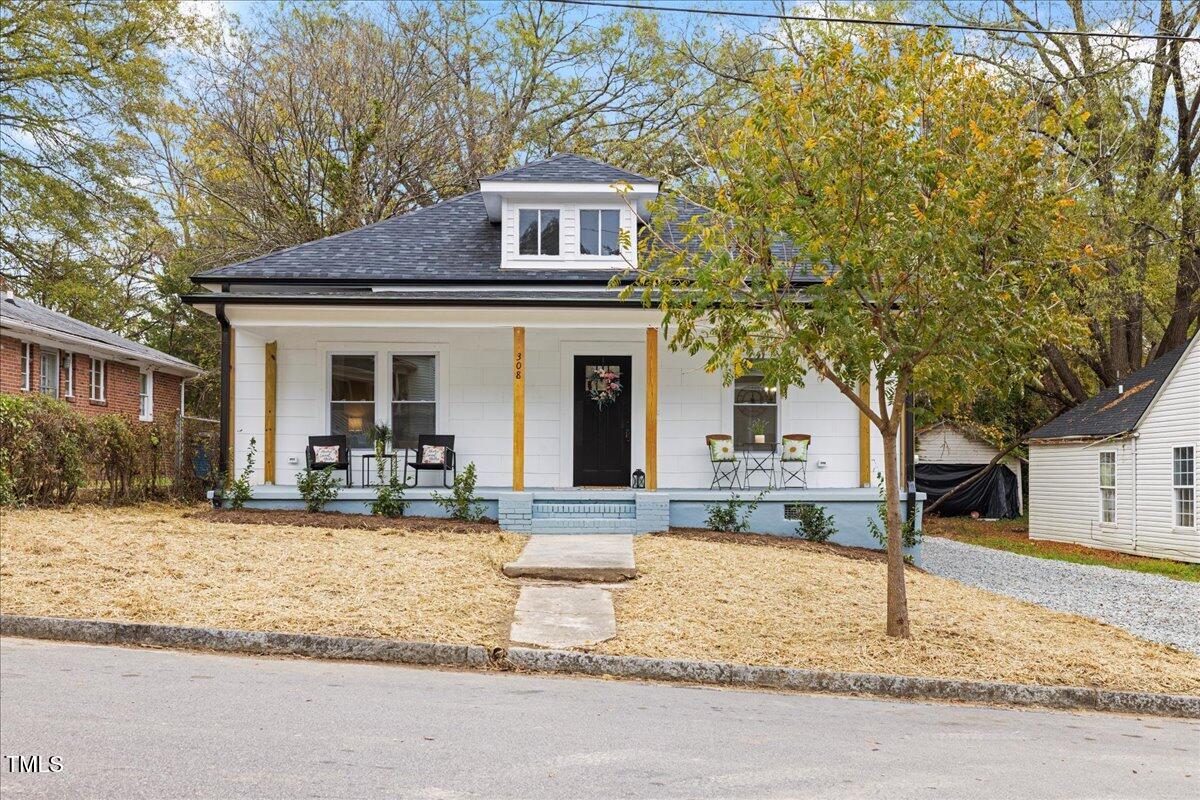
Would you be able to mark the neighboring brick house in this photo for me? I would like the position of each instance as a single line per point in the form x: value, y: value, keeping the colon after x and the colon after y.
x: 91, y: 369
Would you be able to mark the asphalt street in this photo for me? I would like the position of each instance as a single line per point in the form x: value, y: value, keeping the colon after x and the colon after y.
x: 128, y: 723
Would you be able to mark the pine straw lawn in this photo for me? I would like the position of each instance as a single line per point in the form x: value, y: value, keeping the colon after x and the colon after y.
x: 768, y: 603
x: 154, y: 563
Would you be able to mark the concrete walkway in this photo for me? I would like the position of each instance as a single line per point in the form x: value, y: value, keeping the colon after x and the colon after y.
x: 566, y: 614
x: 598, y: 557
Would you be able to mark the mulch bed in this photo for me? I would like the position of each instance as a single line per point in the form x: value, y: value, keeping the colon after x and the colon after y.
x: 335, y: 519
x: 767, y: 540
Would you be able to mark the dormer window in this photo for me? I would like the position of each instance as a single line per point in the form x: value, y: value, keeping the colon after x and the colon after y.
x: 599, y: 232
x: 539, y: 232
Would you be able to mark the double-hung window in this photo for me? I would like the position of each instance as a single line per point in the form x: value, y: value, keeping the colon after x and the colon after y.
x: 146, y: 396
x: 96, y: 380
x: 414, y: 400
x: 755, y: 413
x: 599, y: 232
x: 538, y: 231
x: 1183, y: 484
x: 1108, y: 487
x: 352, y: 398
x: 48, y: 381
x: 26, y: 365
x: 69, y: 378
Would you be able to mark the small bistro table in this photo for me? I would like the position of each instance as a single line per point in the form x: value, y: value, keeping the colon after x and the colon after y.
x: 759, y: 461
x: 367, y: 458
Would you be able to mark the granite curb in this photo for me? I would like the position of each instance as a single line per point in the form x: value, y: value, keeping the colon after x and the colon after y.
x: 576, y: 663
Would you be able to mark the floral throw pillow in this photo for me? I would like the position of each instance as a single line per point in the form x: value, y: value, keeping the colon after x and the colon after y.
x: 721, y: 450
x: 433, y: 454
x: 325, y: 453
x: 795, y: 449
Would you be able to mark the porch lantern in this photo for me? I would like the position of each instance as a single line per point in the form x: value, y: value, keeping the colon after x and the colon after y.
x: 639, y: 480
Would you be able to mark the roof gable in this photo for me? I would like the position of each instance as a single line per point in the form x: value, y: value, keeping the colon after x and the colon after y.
x: 1118, y: 409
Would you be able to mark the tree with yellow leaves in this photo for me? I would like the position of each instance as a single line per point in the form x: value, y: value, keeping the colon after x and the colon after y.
x: 883, y: 215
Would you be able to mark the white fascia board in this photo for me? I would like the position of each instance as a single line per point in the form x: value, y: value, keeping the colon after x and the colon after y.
x: 79, y: 344
x: 315, y: 316
x: 493, y: 192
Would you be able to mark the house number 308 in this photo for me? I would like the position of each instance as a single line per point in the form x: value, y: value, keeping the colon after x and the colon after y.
x: 518, y: 366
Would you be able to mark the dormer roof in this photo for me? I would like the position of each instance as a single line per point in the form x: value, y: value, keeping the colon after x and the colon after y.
x: 569, y: 168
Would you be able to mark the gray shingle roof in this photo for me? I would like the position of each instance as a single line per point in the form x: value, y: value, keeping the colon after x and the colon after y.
x: 1111, y: 412
x: 569, y: 167
x: 17, y: 312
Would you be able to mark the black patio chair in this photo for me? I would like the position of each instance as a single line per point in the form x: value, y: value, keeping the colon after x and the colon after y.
x: 426, y: 460
x: 343, y: 455
x: 724, y: 460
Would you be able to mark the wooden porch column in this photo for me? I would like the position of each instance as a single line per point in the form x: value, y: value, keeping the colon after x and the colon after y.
x: 864, y: 438
x: 651, y: 408
x: 518, y: 454
x: 269, y: 414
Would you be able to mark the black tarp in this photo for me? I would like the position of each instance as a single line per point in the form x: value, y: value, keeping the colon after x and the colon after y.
x: 993, y: 495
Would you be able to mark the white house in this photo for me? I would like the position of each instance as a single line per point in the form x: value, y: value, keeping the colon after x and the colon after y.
x: 1119, y: 471
x: 487, y: 317
x: 956, y: 447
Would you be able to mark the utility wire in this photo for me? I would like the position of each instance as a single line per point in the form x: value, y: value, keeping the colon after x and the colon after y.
x: 716, y: 12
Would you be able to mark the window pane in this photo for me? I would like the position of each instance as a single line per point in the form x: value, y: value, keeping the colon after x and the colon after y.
x: 1108, y: 469
x: 750, y: 389
x: 1185, y: 507
x: 49, y: 377
x: 412, y: 378
x: 528, y: 228
x: 410, y: 420
x: 610, y: 233
x: 549, y: 232
x: 589, y: 232
x: 352, y: 378
x: 354, y: 420
x: 744, y: 418
x: 1184, y: 466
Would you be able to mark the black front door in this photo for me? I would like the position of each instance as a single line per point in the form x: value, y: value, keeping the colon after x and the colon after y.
x: 602, y: 420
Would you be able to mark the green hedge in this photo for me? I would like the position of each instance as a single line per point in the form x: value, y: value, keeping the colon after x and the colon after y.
x: 50, y: 455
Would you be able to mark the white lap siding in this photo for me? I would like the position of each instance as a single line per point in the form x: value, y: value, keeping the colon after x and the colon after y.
x: 475, y: 401
x: 1172, y: 421
x: 1064, y: 494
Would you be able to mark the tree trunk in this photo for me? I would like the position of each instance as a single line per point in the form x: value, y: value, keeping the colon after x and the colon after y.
x: 897, y: 598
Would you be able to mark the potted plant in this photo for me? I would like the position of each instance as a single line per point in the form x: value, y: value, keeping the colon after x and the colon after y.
x: 758, y: 428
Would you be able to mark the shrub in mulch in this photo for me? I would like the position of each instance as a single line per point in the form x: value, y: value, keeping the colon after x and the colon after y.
x: 782, y: 542
x: 335, y: 519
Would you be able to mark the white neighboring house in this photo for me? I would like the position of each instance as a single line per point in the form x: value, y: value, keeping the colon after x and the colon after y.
x: 954, y: 442
x: 488, y: 317
x: 1119, y: 471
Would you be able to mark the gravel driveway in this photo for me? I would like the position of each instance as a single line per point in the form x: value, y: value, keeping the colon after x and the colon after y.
x: 1150, y: 606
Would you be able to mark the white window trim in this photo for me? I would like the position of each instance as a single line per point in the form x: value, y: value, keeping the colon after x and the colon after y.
x: 26, y: 365
x: 93, y: 394
x: 1176, y: 486
x: 70, y: 362
x: 1100, y: 487
x: 733, y: 405
x: 540, y: 256
x: 383, y: 352
x: 619, y: 256
x: 146, y: 413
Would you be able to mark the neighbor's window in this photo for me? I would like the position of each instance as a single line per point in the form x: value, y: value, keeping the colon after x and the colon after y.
x: 96, y: 380
x: 146, y: 396
x: 1183, y: 479
x: 599, y: 232
x: 413, y: 398
x: 26, y: 365
x: 70, y: 377
x: 1108, y: 487
x: 755, y: 410
x: 352, y: 398
x: 48, y: 382
x: 538, y: 229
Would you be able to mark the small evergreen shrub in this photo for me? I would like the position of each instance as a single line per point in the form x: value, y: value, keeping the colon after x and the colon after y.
x: 318, y: 487
x: 813, y: 523
x: 733, y: 516
x: 462, y: 504
x: 239, y: 489
x: 389, y: 489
